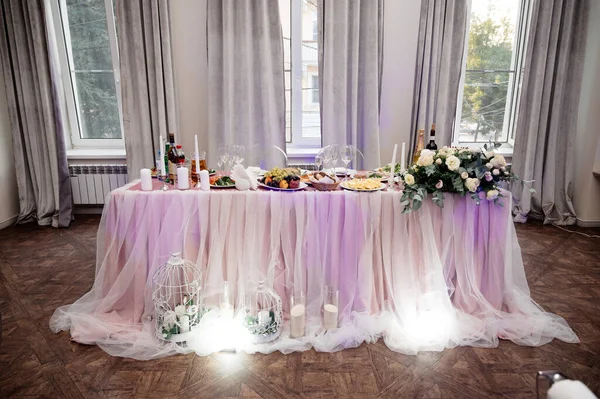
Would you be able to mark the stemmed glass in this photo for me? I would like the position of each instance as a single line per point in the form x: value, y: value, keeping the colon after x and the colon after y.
x: 347, y: 155
x: 318, y: 161
x: 335, y: 155
x: 326, y: 154
x: 223, y: 157
x: 238, y: 153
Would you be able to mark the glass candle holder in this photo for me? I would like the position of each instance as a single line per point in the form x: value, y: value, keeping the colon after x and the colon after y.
x: 297, y: 314
x: 330, y: 307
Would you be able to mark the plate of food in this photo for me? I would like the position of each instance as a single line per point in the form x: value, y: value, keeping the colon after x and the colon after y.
x: 387, y: 168
x: 222, y: 182
x: 282, y: 180
x: 366, y: 185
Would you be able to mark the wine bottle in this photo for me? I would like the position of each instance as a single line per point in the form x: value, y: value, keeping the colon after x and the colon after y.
x: 432, y: 145
x: 166, y: 164
x: 173, y: 158
x: 420, y: 145
x: 181, y: 156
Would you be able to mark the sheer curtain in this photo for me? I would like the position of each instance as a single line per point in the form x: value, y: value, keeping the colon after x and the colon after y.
x: 442, y: 31
x: 147, y: 89
x: 547, y: 119
x: 350, y: 65
x: 245, y: 79
x: 37, y: 133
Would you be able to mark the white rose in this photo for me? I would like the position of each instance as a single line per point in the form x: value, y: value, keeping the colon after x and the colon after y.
x: 427, y: 153
x: 498, y: 161
x: 472, y: 184
x: 180, y: 310
x: 492, y: 194
x: 464, y: 175
x: 489, y: 154
x: 496, y: 172
x: 409, y: 179
x: 438, y: 161
x: 489, y: 165
x: 439, y: 184
x: 425, y: 160
x: 452, y: 162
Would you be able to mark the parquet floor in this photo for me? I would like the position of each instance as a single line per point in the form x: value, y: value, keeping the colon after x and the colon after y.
x: 42, y: 268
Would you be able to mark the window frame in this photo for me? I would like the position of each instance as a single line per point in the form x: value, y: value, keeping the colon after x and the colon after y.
x: 299, y: 142
x: 73, y: 139
x: 515, y: 80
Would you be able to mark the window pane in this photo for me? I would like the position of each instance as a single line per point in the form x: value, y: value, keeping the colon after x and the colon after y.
x: 484, y: 107
x: 97, y: 105
x: 311, y: 120
x: 88, y: 31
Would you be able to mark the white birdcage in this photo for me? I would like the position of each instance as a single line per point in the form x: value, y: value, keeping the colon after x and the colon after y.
x: 177, y: 299
x: 263, y: 316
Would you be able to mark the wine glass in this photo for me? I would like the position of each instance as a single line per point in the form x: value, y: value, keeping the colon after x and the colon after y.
x: 223, y: 157
x: 318, y: 161
x: 326, y: 154
x: 238, y: 153
x: 347, y: 155
x: 335, y: 155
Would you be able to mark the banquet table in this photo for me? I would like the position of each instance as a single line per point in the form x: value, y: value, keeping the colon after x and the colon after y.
x: 427, y: 280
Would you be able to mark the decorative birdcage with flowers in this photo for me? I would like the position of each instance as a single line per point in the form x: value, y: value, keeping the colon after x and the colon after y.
x: 263, y: 315
x: 177, y: 287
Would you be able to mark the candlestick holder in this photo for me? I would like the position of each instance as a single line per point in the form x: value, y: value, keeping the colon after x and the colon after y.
x: 165, y: 186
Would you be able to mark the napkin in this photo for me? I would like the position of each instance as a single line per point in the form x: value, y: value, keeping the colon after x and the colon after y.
x: 245, y: 180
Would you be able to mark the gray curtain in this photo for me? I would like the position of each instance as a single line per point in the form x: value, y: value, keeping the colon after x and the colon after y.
x: 38, y: 143
x: 147, y: 88
x: 547, y: 118
x: 245, y: 79
x: 350, y: 66
x: 440, y: 49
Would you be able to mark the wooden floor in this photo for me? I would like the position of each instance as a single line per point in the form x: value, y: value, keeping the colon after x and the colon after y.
x: 42, y: 268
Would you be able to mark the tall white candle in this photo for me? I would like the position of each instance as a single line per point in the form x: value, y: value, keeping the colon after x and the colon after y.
x: 183, y: 178
x: 393, y: 165
x: 185, y: 323
x: 163, y: 167
x: 297, y: 321
x: 204, y: 180
x: 197, y: 154
x: 330, y: 316
x: 146, y: 177
x: 403, y: 158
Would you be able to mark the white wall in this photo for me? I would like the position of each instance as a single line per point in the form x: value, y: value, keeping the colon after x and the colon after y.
x: 188, y: 37
x: 587, y: 187
x: 9, y: 199
x: 401, y: 29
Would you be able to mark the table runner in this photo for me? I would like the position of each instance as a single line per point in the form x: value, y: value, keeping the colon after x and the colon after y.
x: 428, y: 280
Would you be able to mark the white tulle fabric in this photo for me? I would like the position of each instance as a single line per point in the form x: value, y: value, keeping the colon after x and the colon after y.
x: 429, y: 280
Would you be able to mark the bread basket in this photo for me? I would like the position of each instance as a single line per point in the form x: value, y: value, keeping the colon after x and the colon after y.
x: 322, y: 186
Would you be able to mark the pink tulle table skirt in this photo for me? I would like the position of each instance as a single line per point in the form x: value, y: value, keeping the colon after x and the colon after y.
x: 428, y: 280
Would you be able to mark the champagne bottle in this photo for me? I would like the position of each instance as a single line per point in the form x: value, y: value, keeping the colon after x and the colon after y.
x: 420, y: 145
x: 173, y: 158
x: 167, y: 149
x: 432, y: 145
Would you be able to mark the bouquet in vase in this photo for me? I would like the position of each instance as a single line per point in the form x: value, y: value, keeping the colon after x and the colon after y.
x: 455, y: 170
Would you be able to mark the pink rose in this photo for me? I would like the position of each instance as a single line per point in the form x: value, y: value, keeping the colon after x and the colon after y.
x: 439, y: 184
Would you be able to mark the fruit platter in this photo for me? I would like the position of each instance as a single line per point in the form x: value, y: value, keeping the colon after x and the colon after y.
x: 287, y: 179
x: 221, y: 182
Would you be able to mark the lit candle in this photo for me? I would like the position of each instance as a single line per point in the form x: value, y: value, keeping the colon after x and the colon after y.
x: 264, y: 318
x: 393, y: 165
x: 183, y: 178
x: 204, y: 180
x: 185, y: 323
x: 403, y: 158
x: 146, y: 177
x: 297, y: 315
x: 330, y: 316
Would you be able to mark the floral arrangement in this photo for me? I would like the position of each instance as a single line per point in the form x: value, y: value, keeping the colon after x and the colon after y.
x: 455, y: 170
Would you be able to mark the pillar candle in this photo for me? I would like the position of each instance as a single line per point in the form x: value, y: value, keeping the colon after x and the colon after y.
x: 196, y: 154
x: 204, y: 180
x: 185, y: 323
x: 264, y: 318
x: 393, y: 165
x: 403, y: 158
x: 146, y: 177
x: 183, y: 178
x: 297, y: 321
x: 330, y: 316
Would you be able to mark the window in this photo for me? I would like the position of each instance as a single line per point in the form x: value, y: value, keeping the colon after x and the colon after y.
x: 301, y: 54
x: 89, y: 63
x: 491, y: 78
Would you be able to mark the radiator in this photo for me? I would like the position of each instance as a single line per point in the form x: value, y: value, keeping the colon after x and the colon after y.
x: 91, y: 183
